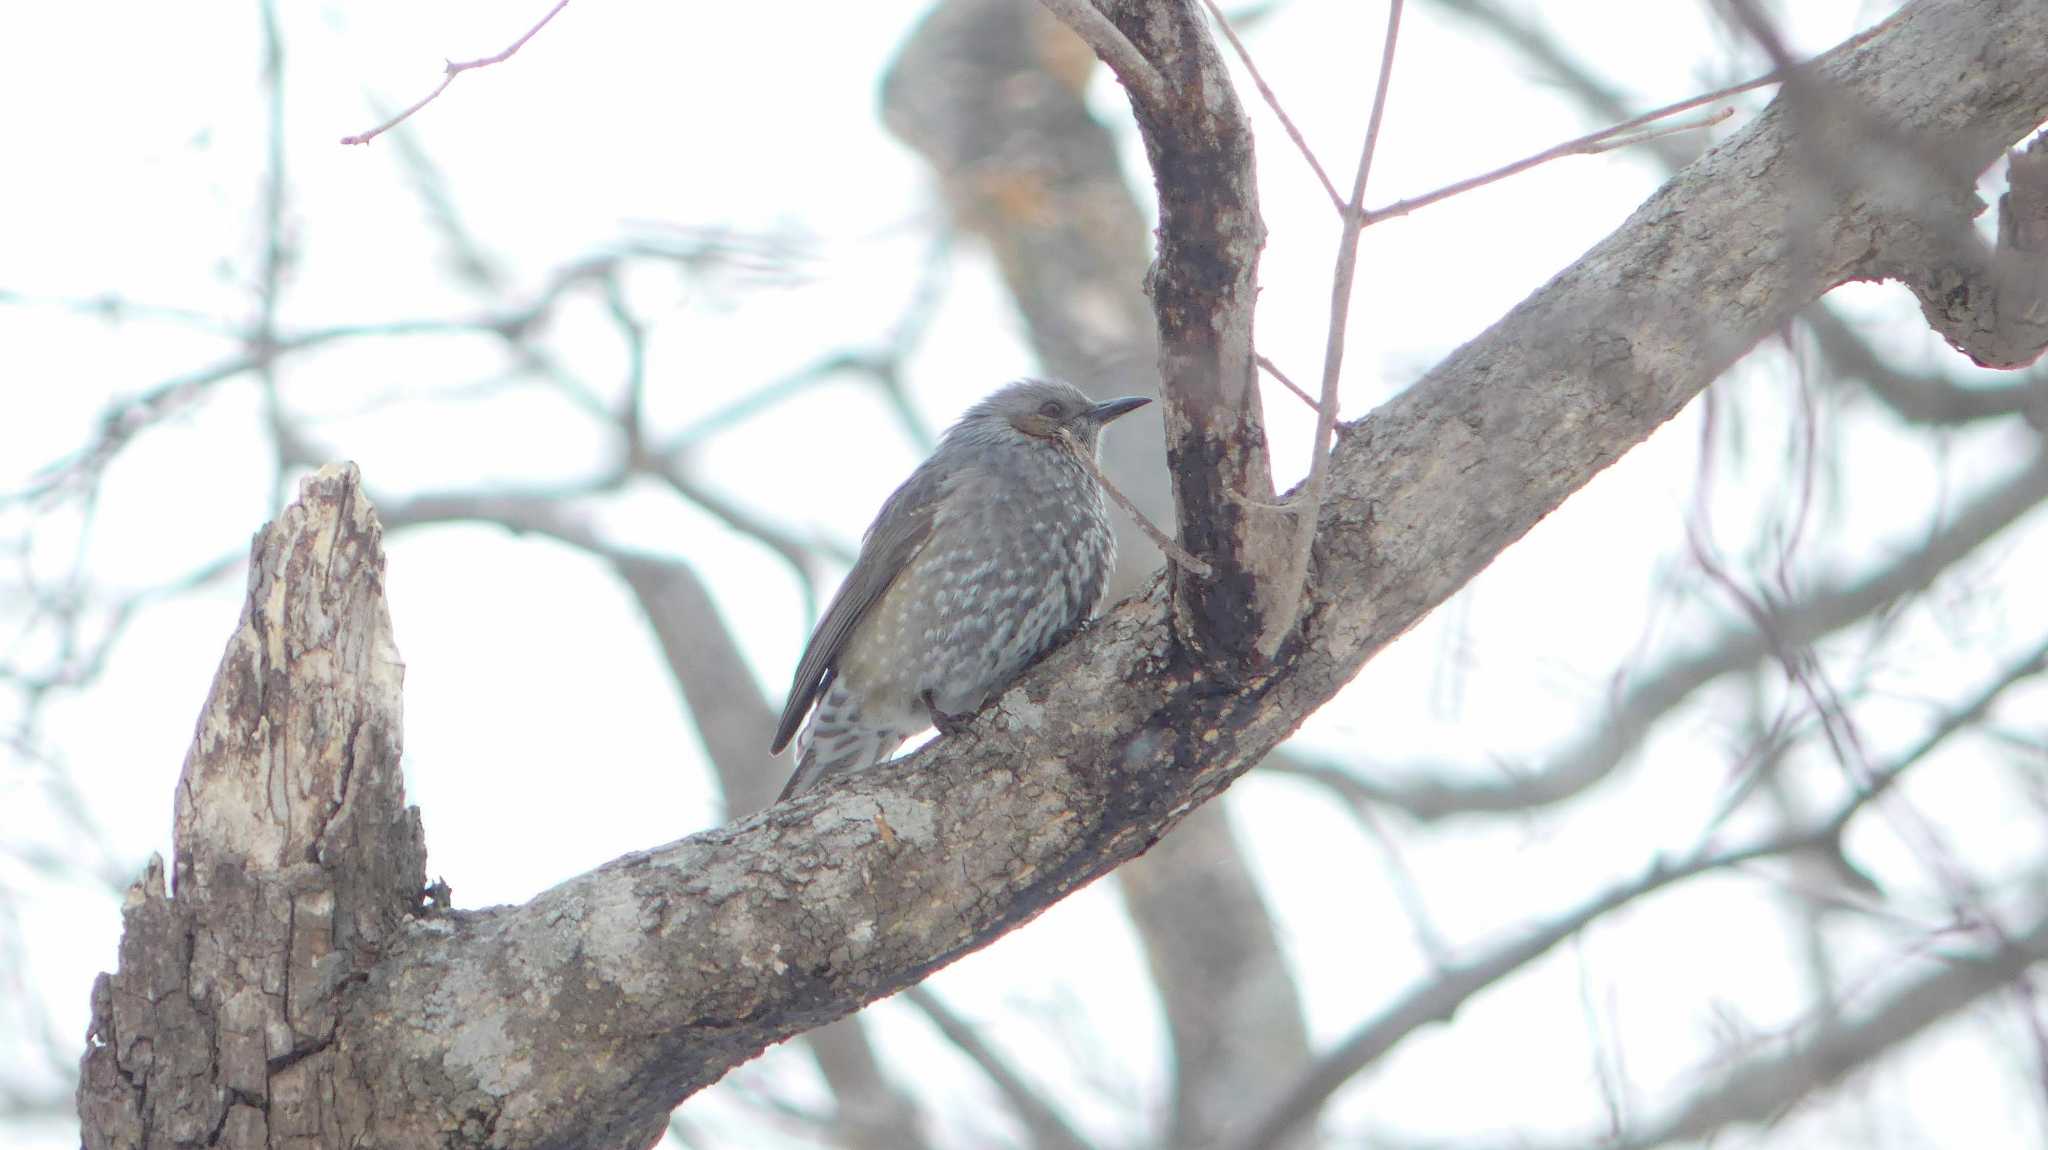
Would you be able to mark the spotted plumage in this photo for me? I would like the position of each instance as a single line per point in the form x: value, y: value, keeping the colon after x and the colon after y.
x: 994, y: 551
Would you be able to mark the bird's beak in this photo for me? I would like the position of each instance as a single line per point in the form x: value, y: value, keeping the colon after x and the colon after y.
x: 1102, y: 413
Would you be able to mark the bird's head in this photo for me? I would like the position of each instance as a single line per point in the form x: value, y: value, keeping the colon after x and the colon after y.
x: 1051, y: 410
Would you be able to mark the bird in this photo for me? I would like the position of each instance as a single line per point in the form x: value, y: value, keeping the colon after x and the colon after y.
x: 994, y: 551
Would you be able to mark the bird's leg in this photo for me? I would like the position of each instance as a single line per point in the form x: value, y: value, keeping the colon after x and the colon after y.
x: 945, y: 723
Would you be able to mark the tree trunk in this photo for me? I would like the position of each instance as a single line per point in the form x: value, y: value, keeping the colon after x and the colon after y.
x: 297, y: 863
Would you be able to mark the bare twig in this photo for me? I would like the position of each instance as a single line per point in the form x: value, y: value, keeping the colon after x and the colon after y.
x: 2033, y: 663
x: 1310, y: 501
x: 117, y: 309
x: 1423, y: 791
x: 1441, y: 996
x: 1048, y: 1130
x: 452, y: 70
x: 128, y: 416
x: 1589, y: 144
x: 1762, y: 1087
x: 1406, y: 887
x: 1603, y: 140
x: 1273, y: 102
x: 1521, y: 28
x: 1645, y: 136
x: 1273, y: 370
x: 881, y: 365
x: 801, y: 555
x: 1161, y: 539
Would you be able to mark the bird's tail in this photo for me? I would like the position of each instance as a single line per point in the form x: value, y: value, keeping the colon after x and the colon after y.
x: 836, y: 739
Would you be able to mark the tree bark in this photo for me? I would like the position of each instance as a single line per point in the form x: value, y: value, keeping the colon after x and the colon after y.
x: 297, y: 863
x: 284, y: 997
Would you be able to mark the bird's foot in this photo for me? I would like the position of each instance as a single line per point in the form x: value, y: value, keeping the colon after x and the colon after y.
x: 945, y: 724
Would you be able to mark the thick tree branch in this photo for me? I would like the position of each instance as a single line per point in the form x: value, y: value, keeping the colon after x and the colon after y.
x: 1130, y: 65
x: 583, y: 1016
x: 1992, y: 305
x: 1922, y: 397
x: 1204, y: 283
x: 693, y: 956
x: 735, y: 723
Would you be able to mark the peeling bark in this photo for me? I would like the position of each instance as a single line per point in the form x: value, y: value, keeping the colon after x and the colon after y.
x: 297, y: 862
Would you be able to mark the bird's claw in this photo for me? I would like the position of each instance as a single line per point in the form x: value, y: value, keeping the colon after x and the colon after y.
x: 944, y: 723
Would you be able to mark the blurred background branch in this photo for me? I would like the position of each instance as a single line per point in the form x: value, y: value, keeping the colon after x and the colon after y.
x: 669, y: 422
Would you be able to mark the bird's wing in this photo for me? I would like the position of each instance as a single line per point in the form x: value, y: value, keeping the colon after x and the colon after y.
x: 898, y: 534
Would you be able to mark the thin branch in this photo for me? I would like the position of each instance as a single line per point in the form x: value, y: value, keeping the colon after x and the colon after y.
x: 1521, y: 28
x: 1762, y: 1088
x: 263, y: 338
x: 1112, y: 47
x: 630, y: 416
x: 118, y: 309
x: 2033, y: 663
x: 1643, y: 137
x: 881, y: 364
x: 1594, y: 143
x: 1161, y: 539
x: 1932, y: 398
x: 802, y: 556
x: 1310, y: 501
x: 1429, y: 791
x: 1048, y: 1130
x: 1273, y: 370
x: 1439, y: 998
x: 1406, y: 888
x: 1273, y: 102
x: 452, y: 70
x: 128, y: 416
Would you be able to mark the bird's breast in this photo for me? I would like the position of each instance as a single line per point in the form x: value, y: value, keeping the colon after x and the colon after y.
x: 1012, y: 564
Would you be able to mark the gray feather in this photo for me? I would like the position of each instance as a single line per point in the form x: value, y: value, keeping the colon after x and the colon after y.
x: 898, y: 534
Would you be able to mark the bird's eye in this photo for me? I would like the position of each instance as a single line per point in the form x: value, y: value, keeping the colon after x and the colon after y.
x: 1050, y: 409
